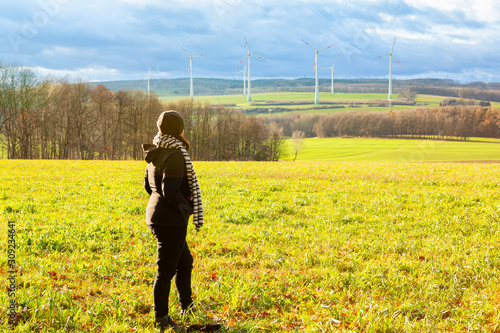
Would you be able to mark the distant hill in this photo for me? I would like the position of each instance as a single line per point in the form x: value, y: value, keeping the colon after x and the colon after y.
x: 210, y: 86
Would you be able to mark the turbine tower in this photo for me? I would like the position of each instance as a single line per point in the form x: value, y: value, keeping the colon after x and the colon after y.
x: 316, y: 87
x: 390, y: 68
x: 149, y: 76
x: 191, y: 93
x: 244, y: 71
x: 249, y: 89
x: 333, y: 70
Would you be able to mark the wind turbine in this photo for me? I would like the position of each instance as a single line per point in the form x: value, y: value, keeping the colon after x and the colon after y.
x: 149, y: 76
x: 333, y: 70
x: 316, y: 88
x: 191, y: 94
x: 244, y: 71
x: 249, y: 90
x: 390, y: 68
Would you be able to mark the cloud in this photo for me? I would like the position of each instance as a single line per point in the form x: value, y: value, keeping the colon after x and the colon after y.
x: 124, y: 38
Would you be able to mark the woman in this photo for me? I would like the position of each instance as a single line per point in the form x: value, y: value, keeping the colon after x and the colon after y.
x: 174, y: 196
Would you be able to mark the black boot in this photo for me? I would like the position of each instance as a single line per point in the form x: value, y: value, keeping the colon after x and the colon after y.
x: 166, y: 323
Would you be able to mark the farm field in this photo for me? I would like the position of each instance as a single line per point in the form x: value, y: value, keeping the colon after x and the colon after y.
x: 304, y: 101
x: 300, y: 246
x: 394, y: 150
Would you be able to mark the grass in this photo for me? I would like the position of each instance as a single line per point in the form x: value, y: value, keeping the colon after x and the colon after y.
x: 303, y: 246
x: 345, y: 99
x: 395, y: 150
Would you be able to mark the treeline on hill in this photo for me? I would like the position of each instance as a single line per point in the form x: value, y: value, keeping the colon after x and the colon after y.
x: 448, y: 122
x: 61, y: 120
x: 460, y: 92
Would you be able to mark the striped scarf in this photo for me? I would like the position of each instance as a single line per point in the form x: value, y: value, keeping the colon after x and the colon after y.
x: 168, y: 141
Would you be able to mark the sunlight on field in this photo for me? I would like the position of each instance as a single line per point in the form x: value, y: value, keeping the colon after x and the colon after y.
x: 345, y: 99
x: 307, y: 246
x: 394, y: 150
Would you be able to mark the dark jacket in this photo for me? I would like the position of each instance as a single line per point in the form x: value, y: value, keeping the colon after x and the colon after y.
x: 166, y: 182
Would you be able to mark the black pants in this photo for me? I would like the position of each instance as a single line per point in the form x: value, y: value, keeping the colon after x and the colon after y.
x: 173, y: 259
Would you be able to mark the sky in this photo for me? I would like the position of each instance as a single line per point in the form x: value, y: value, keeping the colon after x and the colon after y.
x: 106, y: 40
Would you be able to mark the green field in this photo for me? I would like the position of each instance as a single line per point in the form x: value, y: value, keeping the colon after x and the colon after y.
x: 261, y: 100
x: 394, y: 150
x: 338, y: 102
x: 287, y: 246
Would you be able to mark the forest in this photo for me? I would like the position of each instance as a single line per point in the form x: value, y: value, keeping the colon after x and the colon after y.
x: 444, y: 123
x: 43, y: 119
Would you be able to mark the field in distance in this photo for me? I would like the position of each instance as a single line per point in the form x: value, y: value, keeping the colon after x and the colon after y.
x: 394, y: 150
x: 270, y: 103
x: 286, y: 247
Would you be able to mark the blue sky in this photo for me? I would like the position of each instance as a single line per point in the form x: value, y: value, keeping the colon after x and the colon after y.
x: 99, y: 40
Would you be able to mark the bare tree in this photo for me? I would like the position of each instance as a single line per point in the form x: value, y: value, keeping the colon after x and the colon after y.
x: 275, y: 142
x: 101, y: 100
x: 23, y: 101
x: 297, y: 141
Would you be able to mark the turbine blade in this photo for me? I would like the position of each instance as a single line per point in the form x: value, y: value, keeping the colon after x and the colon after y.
x: 242, y: 61
x: 388, y: 54
x: 185, y: 51
x: 253, y: 55
x: 309, y: 45
x: 248, y: 48
x: 393, y: 44
x: 396, y: 60
x: 326, y: 48
x: 199, y: 55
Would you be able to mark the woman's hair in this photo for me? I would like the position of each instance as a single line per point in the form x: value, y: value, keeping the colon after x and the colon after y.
x: 184, y: 141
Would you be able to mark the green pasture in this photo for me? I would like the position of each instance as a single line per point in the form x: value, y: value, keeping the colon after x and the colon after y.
x: 304, y: 101
x: 394, y: 150
x: 286, y: 247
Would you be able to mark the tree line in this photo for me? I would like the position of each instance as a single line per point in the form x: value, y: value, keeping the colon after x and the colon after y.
x: 447, y: 122
x: 46, y: 119
x: 459, y: 92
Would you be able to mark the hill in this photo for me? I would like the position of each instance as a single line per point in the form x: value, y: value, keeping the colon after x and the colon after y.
x: 211, y: 86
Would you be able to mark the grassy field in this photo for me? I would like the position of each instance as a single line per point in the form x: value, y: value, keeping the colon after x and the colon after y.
x: 305, y: 101
x: 270, y: 103
x: 287, y: 246
x: 394, y: 150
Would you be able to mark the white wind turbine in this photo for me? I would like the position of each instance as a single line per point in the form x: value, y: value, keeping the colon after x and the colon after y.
x: 149, y: 76
x: 244, y: 71
x: 149, y: 79
x: 333, y: 70
x: 390, y: 68
x: 316, y: 87
x: 191, y: 93
x: 249, y: 89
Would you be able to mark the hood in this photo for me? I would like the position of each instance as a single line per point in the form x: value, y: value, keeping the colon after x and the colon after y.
x: 151, y: 152
x: 156, y: 155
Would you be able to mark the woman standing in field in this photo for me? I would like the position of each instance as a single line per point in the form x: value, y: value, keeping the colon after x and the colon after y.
x: 174, y: 196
